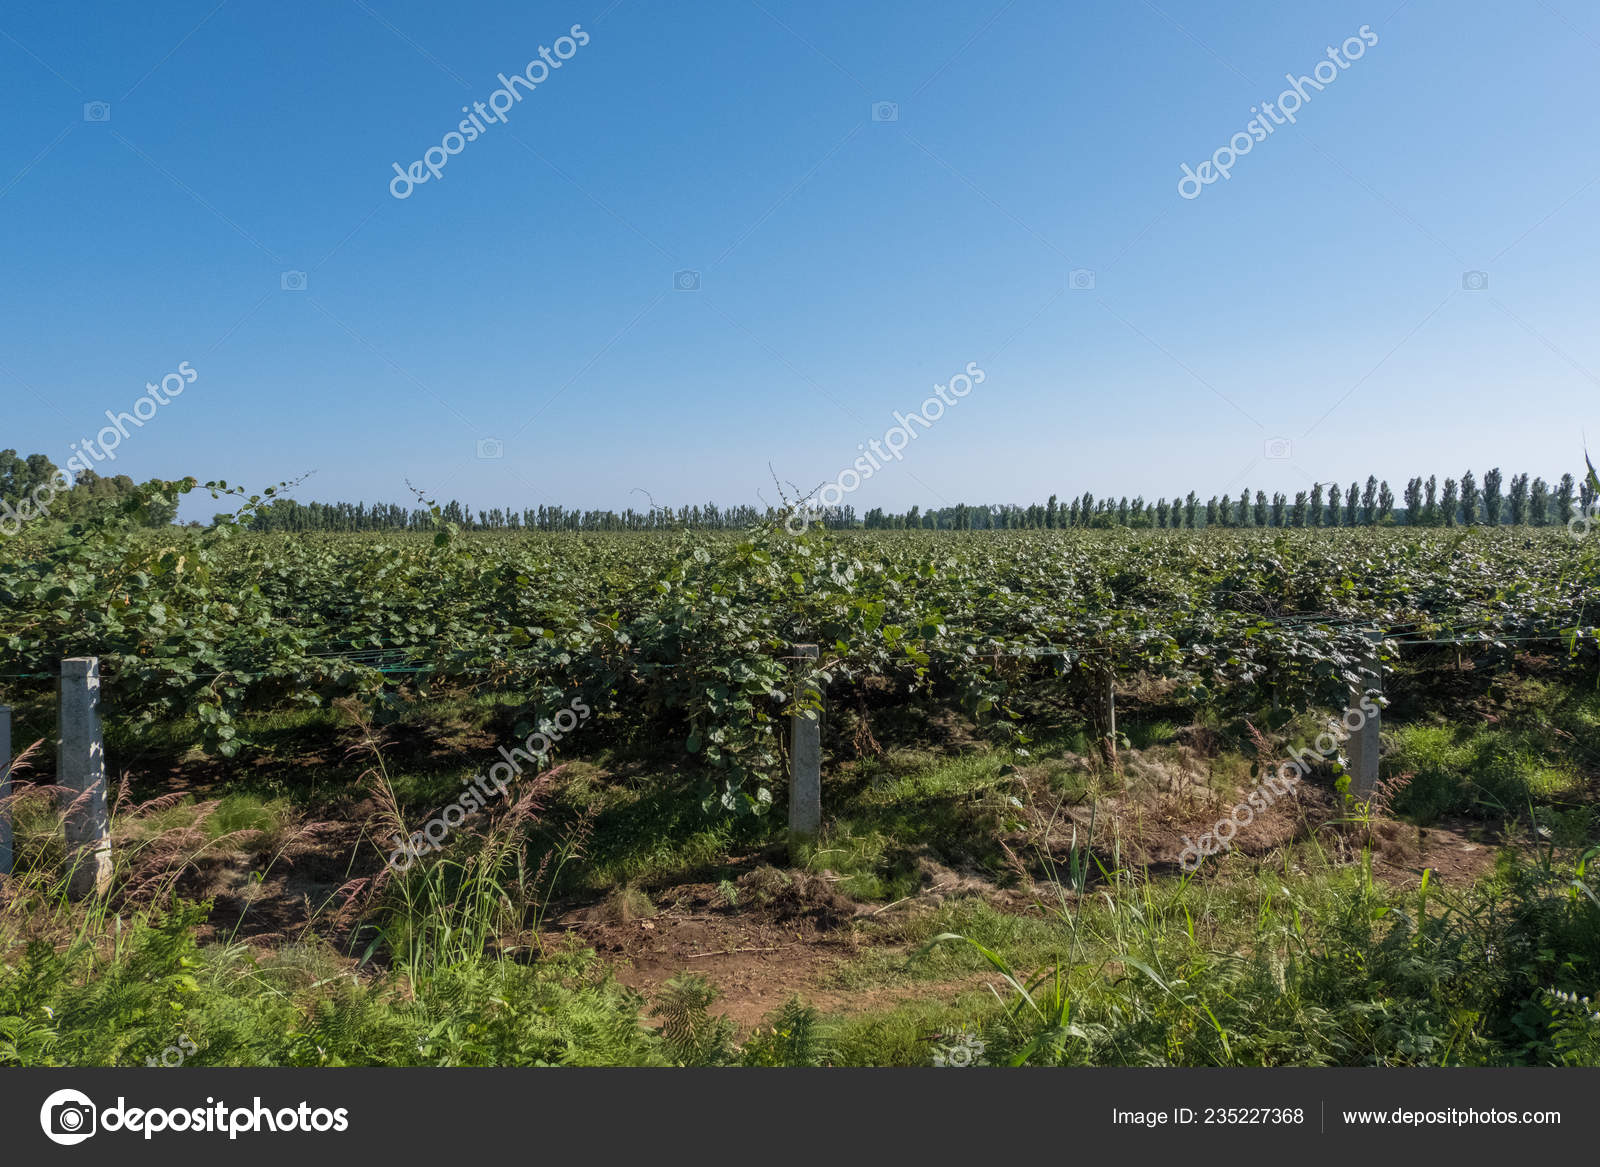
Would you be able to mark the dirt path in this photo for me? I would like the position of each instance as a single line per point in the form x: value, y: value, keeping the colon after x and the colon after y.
x: 757, y: 956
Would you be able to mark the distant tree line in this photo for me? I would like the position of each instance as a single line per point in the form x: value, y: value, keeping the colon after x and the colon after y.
x: 22, y: 477
x: 288, y: 515
x: 1523, y: 502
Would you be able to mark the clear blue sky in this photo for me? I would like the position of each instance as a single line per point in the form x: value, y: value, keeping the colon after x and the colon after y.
x: 846, y: 264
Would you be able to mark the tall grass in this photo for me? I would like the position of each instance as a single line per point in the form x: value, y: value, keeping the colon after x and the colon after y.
x: 1317, y: 966
x: 116, y: 978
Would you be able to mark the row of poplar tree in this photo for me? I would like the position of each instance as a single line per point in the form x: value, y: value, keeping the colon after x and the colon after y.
x: 290, y: 515
x: 1524, y: 502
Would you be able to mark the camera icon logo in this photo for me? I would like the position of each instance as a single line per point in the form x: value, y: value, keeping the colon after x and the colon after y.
x: 1475, y: 281
x: 1580, y: 524
x: 292, y: 281
x: 960, y: 1051
x: 686, y: 281
x: 1278, y: 449
x: 885, y: 111
x: 490, y: 449
x: 97, y: 111
x: 1080, y: 279
x: 68, y: 1117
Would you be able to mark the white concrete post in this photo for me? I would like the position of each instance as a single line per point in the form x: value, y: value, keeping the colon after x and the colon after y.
x: 81, y: 769
x: 5, y: 790
x: 805, y: 756
x: 1364, y: 741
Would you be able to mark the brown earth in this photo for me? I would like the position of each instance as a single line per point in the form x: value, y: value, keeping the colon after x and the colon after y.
x: 758, y: 955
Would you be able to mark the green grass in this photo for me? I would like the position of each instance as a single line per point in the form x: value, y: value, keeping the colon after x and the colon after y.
x: 1032, y: 939
x: 1459, y: 769
x: 1144, y: 734
x: 904, y: 1034
x: 912, y: 805
x: 644, y: 829
x: 302, y: 1007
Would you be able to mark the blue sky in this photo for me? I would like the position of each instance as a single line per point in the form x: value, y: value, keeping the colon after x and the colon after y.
x: 846, y: 265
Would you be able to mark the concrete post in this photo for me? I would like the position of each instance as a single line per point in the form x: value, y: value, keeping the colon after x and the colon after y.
x: 1363, y: 747
x: 805, y: 756
x: 5, y: 790
x: 81, y: 769
x: 1108, y: 715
